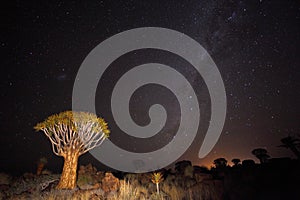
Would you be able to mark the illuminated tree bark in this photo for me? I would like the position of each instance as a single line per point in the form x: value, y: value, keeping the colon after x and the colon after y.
x: 71, y: 135
x: 69, y: 174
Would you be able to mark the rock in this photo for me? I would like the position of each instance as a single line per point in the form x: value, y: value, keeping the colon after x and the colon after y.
x: 110, y: 183
x: 89, y: 178
x: 46, y: 172
x: 88, y: 194
x: 85, y: 181
x: 88, y: 169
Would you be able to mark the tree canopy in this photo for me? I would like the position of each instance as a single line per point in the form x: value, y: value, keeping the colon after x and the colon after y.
x: 80, y: 130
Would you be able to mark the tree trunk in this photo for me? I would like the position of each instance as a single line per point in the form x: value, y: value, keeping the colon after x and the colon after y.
x: 157, y: 188
x: 40, y: 168
x: 69, y: 173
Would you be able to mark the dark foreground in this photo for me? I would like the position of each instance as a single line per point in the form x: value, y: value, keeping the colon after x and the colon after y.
x: 277, y: 179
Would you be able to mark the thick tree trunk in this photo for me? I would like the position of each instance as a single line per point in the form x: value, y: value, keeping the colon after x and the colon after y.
x: 69, y: 173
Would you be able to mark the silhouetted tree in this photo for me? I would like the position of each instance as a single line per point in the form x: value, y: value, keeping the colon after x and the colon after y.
x: 261, y: 154
x: 248, y: 163
x: 201, y: 169
x: 292, y: 144
x: 181, y: 165
x: 40, y: 165
x: 236, y: 161
x: 220, y: 162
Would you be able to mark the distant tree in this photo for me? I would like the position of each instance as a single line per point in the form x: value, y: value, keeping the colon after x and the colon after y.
x: 73, y: 134
x: 40, y: 165
x: 292, y: 144
x: 261, y: 154
x: 200, y: 169
x: 220, y: 162
x: 236, y: 161
x: 181, y: 165
x: 189, y: 171
x: 248, y: 163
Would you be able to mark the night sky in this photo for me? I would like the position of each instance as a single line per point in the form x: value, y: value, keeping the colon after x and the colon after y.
x: 255, y: 45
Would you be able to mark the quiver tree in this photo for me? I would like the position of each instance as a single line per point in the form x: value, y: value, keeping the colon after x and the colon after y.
x: 236, y: 161
x: 292, y: 144
x: 156, y: 178
x: 220, y: 163
x: 71, y: 135
x: 261, y: 154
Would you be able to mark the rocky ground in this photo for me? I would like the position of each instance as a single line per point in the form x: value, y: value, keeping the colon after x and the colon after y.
x: 274, y: 180
x: 93, y: 184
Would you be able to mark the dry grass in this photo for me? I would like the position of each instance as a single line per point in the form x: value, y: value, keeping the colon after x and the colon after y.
x: 129, y: 192
x: 174, y: 193
x: 134, y: 186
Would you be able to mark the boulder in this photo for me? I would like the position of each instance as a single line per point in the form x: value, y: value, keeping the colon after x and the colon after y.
x: 110, y: 183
